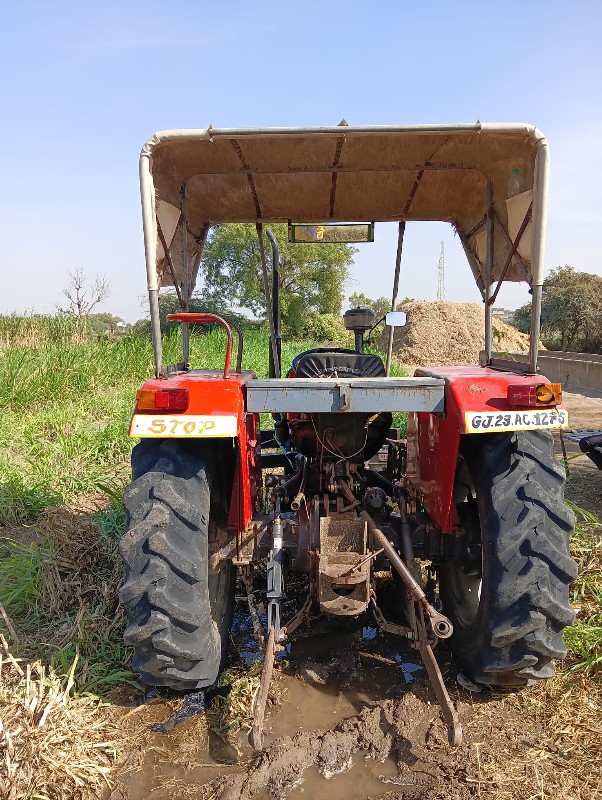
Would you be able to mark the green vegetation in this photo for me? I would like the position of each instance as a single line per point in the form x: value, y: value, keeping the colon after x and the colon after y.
x: 571, y: 311
x: 584, y: 638
x: 312, y: 276
x: 65, y: 405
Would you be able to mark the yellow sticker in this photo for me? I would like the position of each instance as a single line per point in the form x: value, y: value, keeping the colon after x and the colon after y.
x: 188, y: 426
x: 487, y: 422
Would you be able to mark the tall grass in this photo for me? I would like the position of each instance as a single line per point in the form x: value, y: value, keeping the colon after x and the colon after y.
x: 65, y: 404
x: 38, y: 329
x: 584, y: 637
x: 65, y: 408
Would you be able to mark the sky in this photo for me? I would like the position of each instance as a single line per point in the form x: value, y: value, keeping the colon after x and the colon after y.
x: 84, y: 84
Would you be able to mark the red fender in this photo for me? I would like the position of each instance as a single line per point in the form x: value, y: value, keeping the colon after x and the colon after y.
x: 215, y: 396
x: 434, y: 439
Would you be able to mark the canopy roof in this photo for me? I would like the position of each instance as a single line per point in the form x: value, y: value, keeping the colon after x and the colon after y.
x: 426, y: 172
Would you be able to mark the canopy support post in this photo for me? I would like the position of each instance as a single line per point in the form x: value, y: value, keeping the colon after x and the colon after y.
x: 268, y: 300
x: 402, y: 228
x: 153, y: 300
x: 489, y: 274
x: 275, y: 373
x: 535, y: 327
x: 540, y: 208
x: 184, y: 257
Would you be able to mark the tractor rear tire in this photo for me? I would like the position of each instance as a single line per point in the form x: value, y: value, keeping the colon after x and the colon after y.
x: 178, y: 614
x: 509, y: 598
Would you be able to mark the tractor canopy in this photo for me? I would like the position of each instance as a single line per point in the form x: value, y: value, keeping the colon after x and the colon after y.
x: 428, y: 172
x: 457, y: 173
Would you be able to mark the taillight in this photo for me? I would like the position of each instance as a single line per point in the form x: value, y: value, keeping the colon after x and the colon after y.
x: 541, y: 394
x: 162, y: 399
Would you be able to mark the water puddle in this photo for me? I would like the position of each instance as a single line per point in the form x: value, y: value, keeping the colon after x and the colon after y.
x: 324, y: 678
x: 363, y: 780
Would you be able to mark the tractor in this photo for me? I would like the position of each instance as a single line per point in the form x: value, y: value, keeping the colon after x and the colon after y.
x: 466, y: 513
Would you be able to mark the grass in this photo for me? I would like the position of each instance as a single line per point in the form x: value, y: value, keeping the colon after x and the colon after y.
x: 584, y: 638
x: 65, y: 405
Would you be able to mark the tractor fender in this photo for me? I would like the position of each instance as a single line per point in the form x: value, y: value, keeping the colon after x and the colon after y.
x: 215, y: 413
x: 434, y: 439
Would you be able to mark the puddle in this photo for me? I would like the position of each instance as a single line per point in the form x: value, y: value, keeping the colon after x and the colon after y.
x: 407, y: 668
x: 326, y: 678
x: 362, y: 780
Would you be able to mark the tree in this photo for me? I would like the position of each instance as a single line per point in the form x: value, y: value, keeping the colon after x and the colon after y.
x: 312, y: 276
x: 571, y: 309
x: 84, y: 296
x: 380, y: 306
x: 169, y: 304
x: 107, y: 325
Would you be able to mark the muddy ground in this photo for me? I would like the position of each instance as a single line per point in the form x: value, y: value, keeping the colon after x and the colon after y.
x: 353, y: 716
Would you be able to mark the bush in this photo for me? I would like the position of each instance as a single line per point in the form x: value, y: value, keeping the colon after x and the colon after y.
x: 327, y: 328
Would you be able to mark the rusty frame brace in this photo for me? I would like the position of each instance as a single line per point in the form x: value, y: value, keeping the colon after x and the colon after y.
x: 419, y: 610
x: 262, y: 695
x: 513, y: 251
x: 271, y: 648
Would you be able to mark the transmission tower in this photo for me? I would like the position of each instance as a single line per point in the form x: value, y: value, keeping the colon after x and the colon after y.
x: 441, y: 274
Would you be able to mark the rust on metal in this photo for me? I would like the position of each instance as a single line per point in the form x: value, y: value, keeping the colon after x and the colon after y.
x: 450, y: 715
x: 441, y: 624
x: 238, y: 150
x: 262, y: 695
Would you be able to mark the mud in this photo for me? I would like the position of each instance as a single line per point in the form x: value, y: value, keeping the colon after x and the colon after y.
x: 357, y: 720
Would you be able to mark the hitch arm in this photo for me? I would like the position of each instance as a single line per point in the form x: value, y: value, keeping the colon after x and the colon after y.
x: 441, y: 625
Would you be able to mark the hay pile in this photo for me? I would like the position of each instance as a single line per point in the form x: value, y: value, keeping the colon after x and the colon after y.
x: 442, y: 333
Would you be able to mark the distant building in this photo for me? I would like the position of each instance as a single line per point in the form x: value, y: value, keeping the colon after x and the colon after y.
x: 504, y: 314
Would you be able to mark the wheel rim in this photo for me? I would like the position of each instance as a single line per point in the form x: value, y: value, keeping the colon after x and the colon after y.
x: 466, y: 593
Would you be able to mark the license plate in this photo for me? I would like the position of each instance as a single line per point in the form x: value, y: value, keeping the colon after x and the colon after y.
x: 189, y: 426
x: 486, y: 422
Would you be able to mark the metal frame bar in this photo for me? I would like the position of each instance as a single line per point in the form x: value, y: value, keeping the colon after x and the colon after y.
x: 275, y: 303
x: 540, y: 212
x: 170, y: 264
x: 512, y: 253
x: 489, y: 274
x: 400, y: 235
x: 268, y: 299
x: 346, y: 395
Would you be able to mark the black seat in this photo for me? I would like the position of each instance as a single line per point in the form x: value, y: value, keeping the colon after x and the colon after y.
x: 323, y: 362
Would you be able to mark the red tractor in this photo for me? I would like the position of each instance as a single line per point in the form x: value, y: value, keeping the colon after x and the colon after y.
x: 474, y: 494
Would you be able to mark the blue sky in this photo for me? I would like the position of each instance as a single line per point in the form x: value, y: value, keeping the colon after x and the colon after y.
x: 84, y: 84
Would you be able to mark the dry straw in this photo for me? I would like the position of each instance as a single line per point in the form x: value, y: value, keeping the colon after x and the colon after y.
x: 443, y: 333
x: 51, y: 745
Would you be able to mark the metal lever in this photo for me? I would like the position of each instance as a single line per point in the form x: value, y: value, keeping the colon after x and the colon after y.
x: 274, y: 578
x: 262, y: 696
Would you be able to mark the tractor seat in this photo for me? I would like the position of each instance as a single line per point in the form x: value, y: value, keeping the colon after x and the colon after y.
x: 325, y: 362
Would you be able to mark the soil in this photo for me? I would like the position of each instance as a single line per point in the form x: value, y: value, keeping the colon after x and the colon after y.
x: 358, y: 720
